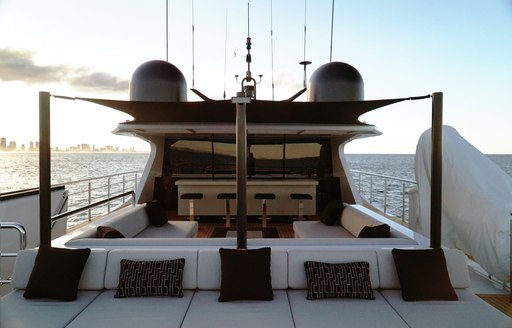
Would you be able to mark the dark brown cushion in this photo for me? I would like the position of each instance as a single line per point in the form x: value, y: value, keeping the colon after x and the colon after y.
x: 380, y: 231
x: 423, y: 275
x: 245, y: 274
x: 331, y: 213
x: 151, y: 278
x: 108, y: 232
x: 336, y: 280
x: 56, y: 273
x: 156, y: 213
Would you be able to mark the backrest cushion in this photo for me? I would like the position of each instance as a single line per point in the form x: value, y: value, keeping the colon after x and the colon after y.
x: 115, y: 256
x: 130, y: 221
x: 297, y: 257
x: 355, y: 220
x: 92, y: 277
x: 456, y: 263
x: 209, y: 269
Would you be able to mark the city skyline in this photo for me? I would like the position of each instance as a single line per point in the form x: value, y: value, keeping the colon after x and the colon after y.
x: 33, y: 146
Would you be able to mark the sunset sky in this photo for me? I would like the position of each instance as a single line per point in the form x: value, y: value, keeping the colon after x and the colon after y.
x: 462, y: 48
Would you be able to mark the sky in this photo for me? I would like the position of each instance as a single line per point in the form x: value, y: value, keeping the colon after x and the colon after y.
x: 402, y: 48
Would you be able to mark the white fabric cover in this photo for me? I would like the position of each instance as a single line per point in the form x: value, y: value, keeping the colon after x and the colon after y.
x: 456, y: 263
x: 468, y: 311
x: 92, y: 277
x: 115, y: 256
x: 209, y: 269
x: 477, y: 201
x: 297, y: 257
x: 342, y: 312
x: 173, y: 229
x: 156, y: 311
x: 18, y: 312
x: 206, y: 311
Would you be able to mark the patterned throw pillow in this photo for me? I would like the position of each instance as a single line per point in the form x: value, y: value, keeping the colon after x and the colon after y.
x: 151, y: 278
x: 336, y: 280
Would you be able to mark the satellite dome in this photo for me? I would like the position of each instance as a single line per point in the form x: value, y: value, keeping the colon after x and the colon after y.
x: 336, y: 81
x: 158, y: 80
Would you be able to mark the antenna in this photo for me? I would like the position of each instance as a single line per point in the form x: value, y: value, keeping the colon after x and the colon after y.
x: 332, y: 24
x: 193, y: 47
x: 248, y: 90
x: 225, y: 51
x: 167, y: 30
x: 305, y: 62
x: 272, y: 47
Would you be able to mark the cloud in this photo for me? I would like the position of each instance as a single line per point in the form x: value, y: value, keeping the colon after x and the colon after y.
x: 19, y: 65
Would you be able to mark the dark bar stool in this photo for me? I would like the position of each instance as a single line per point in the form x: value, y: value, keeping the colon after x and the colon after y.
x: 191, y: 197
x: 264, y: 197
x: 227, y: 196
x: 301, y: 198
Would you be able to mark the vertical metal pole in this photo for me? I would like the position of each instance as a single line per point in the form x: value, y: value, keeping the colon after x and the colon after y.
x: 437, y: 170
x: 44, y: 170
x: 241, y: 169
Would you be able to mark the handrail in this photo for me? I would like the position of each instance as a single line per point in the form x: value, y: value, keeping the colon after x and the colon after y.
x: 22, y: 232
x: 403, y: 207
x: 23, y: 243
x: 86, y: 207
x: 101, y: 177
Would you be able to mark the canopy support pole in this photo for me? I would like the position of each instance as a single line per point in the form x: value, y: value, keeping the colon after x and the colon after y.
x: 241, y: 168
x: 44, y: 170
x: 437, y: 170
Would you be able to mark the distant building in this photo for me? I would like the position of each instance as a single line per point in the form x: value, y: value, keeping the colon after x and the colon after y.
x: 12, y: 145
x: 3, y: 144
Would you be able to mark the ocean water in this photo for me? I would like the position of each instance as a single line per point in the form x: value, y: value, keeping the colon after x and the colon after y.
x: 20, y: 170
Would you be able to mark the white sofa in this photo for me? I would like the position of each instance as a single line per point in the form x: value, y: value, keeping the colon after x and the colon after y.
x: 96, y: 306
x: 352, y: 220
x: 134, y: 224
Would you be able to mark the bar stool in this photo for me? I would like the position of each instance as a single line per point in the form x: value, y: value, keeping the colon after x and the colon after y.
x: 191, y: 197
x: 264, y: 197
x: 227, y: 196
x: 301, y: 198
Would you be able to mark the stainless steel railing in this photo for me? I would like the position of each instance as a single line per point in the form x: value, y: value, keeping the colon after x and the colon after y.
x: 23, y: 243
x: 88, y: 191
x: 387, y: 193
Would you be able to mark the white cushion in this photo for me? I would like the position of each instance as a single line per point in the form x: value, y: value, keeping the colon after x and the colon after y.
x: 209, y: 269
x: 115, y: 256
x: 312, y: 229
x: 136, y: 312
x: 456, y: 262
x: 468, y: 311
x: 342, y: 312
x: 92, y: 277
x: 206, y: 311
x: 18, y: 312
x: 355, y: 220
x: 297, y: 257
x: 173, y: 229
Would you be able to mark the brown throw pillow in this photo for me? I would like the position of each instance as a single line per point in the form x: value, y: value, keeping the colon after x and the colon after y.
x: 151, y: 278
x: 380, y: 231
x: 56, y: 273
x: 156, y: 213
x: 423, y: 275
x: 245, y: 274
x: 108, y: 232
x: 336, y: 280
x: 331, y: 213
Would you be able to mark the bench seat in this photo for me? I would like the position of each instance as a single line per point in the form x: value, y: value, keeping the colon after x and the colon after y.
x: 206, y: 311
